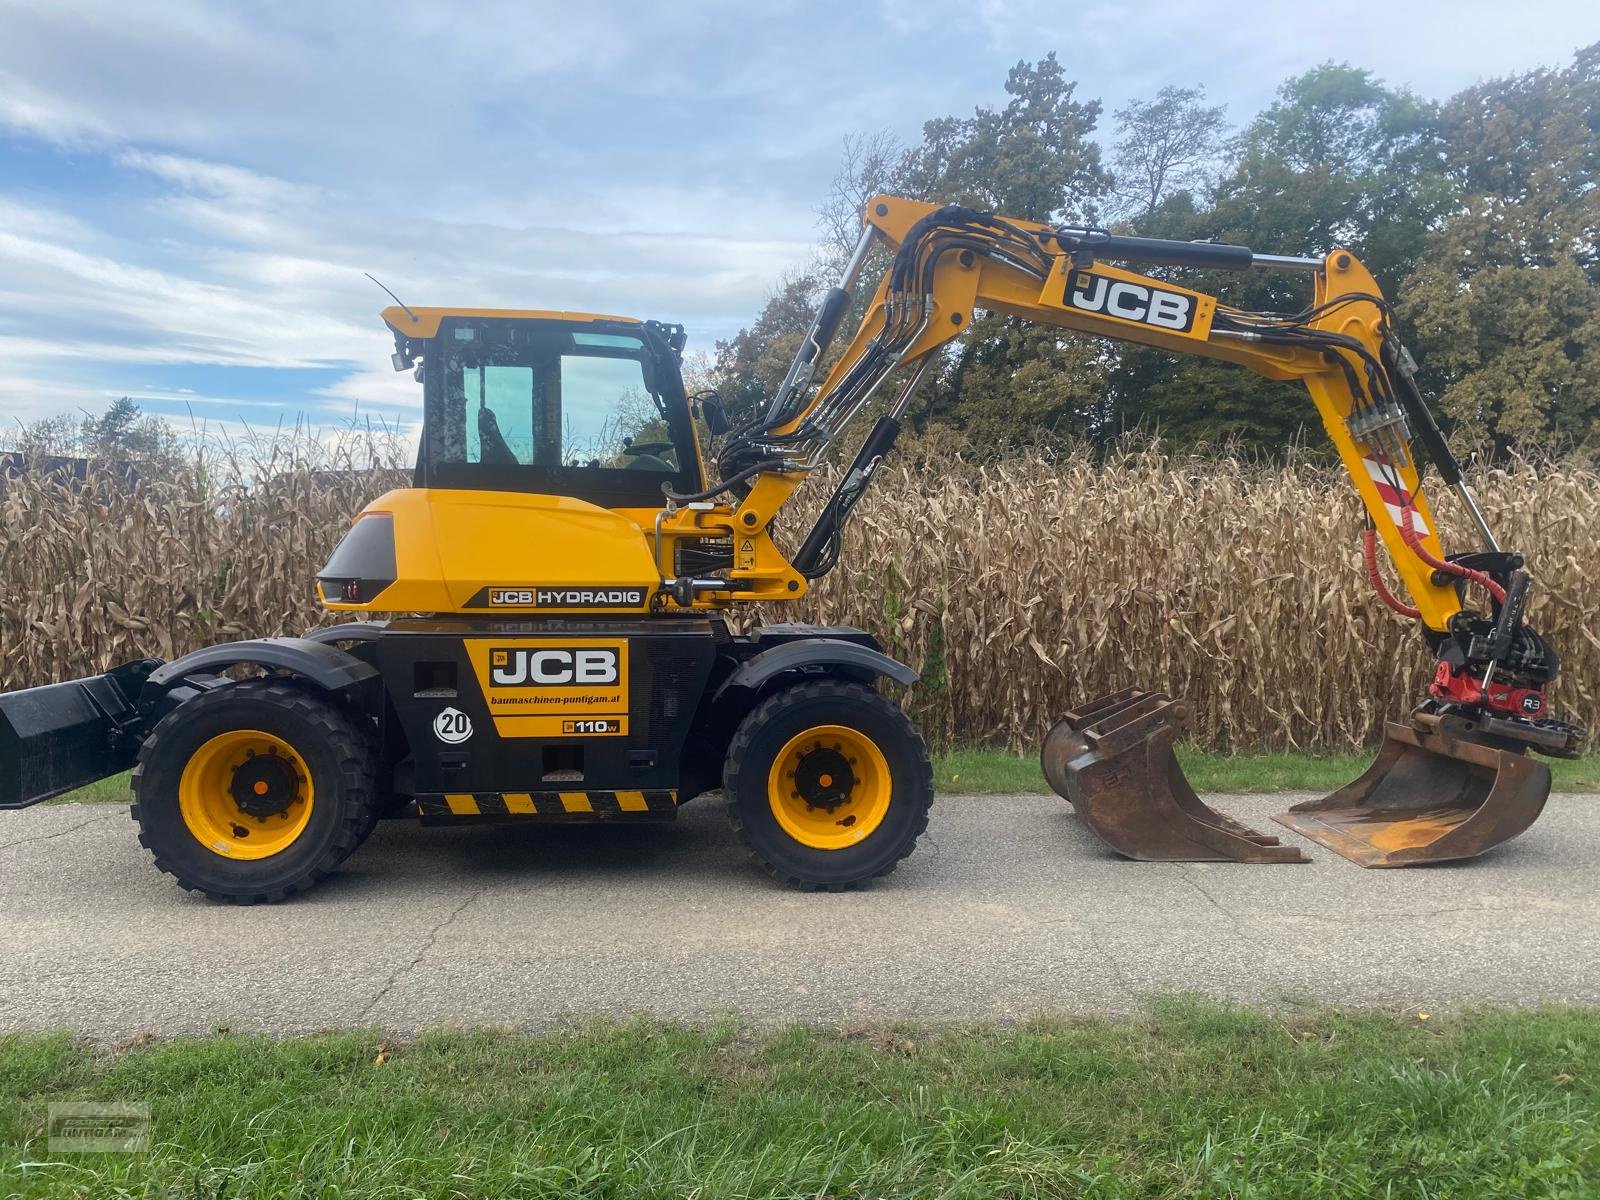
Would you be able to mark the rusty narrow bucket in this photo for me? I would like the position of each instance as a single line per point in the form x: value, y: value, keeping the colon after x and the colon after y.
x: 1428, y: 797
x: 1113, y: 760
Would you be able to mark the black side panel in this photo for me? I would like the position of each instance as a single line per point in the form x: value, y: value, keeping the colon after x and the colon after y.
x: 467, y: 734
x: 66, y: 735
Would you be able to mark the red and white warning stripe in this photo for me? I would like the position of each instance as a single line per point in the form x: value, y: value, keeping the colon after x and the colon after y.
x: 1395, y: 498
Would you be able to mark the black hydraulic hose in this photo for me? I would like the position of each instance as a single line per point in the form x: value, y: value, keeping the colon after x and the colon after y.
x: 809, y: 559
x: 736, y: 478
x: 1427, y: 429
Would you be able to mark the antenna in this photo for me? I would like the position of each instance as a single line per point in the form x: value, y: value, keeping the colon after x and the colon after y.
x: 414, y: 318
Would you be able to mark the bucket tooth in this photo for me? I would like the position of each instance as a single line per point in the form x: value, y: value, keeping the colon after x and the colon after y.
x: 1112, y: 758
x: 1430, y: 796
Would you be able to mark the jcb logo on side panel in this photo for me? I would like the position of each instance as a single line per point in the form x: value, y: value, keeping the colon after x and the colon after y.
x: 553, y: 667
x: 533, y: 686
x: 1130, y: 301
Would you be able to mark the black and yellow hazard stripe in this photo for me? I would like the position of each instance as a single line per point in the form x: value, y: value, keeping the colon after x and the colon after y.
x: 569, y: 806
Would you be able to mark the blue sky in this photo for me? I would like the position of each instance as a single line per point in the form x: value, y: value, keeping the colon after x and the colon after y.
x: 190, y: 192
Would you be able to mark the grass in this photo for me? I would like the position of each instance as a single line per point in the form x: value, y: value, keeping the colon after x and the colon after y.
x: 1192, y: 1100
x: 107, y: 791
x: 981, y: 772
x: 991, y: 772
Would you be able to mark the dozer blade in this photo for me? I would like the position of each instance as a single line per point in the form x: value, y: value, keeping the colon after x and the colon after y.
x: 1430, y: 796
x: 1113, y: 760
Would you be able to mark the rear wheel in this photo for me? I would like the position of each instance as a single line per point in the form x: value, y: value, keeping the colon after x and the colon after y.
x: 253, y: 792
x: 828, y: 785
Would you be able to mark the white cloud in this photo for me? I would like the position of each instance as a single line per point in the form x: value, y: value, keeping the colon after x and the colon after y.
x: 235, y: 169
x: 231, y: 183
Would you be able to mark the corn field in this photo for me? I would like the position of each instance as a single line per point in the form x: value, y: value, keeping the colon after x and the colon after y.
x: 1018, y: 588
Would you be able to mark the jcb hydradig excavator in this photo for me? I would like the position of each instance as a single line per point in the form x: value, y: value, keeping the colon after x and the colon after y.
x: 568, y: 659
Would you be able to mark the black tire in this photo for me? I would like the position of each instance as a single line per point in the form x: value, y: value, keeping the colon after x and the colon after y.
x: 338, y: 757
x: 761, y: 738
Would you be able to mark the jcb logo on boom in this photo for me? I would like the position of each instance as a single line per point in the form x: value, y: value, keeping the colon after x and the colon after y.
x: 554, y: 667
x: 1131, y: 301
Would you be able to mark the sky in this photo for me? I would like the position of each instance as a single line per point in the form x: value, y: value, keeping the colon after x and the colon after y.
x: 191, y: 192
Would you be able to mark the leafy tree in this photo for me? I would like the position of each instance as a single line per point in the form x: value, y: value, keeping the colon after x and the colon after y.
x: 750, y: 365
x: 1170, y: 143
x: 1505, y: 302
x: 121, y: 434
x: 54, y: 435
x: 1033, y: 158
x: 1010, y: 382
x: 1338, y: 160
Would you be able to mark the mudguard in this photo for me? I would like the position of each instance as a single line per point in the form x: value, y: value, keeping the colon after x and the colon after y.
x: 848, y: 658
x: 328, y: 667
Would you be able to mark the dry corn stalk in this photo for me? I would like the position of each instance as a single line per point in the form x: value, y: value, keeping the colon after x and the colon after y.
x: 1016, y: 588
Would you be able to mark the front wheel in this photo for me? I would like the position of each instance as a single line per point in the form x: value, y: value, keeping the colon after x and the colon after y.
x: 254, y: 791
x: 828, y: 785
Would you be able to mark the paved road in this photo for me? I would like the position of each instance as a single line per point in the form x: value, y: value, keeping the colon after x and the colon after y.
x: 1009, y: 907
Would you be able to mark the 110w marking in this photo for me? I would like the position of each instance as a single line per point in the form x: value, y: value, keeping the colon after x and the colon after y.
x: 592, y: 726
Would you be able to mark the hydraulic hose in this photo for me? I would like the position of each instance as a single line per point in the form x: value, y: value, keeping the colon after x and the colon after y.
x: 1413, y: 539
x: 1369, y: 555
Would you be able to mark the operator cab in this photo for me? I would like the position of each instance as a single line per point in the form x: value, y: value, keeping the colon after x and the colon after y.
x: 561, y: 404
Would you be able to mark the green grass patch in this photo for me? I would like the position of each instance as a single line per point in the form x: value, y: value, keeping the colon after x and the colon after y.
x: 114, y: 790
x: 981, y: 772
x: 990, y: 772
x: 1193, y: 1100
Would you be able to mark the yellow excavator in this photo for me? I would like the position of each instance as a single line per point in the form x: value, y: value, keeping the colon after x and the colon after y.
x: 566, y: 559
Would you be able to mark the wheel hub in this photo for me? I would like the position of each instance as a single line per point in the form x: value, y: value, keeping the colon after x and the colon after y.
x: 829, y: 787
x: 263, y: 786
x: 823, y: 778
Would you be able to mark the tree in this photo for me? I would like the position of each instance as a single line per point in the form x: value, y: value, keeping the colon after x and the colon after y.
x: 868, y: 167
x: 54, y: 435
x: 121, y: 434
x: 750, y: 365
x: 1033, y: 158
x: 1505, y: 303
x: 1339, y: 159
x: 1168, y: 143
x: 1010, y: 382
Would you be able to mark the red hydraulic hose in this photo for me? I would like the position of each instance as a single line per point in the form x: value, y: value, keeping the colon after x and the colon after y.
x: 1413, y: 539
x: 1369, y: 555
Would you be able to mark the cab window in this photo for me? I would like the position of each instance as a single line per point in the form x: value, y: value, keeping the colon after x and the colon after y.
x: 539, y: 406
x: 585, y: 403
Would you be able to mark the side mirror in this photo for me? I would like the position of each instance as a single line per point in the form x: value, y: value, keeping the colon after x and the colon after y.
x: 713, y: 414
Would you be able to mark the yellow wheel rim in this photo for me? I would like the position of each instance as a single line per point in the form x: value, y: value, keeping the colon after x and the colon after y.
x: 829, y: 787
x: 246, y: 794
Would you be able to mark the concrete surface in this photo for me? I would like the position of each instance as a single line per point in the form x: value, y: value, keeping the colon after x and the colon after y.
x: 1008, y: 908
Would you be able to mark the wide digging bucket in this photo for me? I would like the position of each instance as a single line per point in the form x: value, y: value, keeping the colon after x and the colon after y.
x: 1113, y: 760
x: 1430, y: 796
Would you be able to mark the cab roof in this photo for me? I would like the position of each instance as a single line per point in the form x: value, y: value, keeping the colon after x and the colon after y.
x: 426, y: 320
